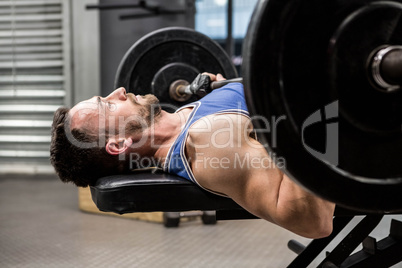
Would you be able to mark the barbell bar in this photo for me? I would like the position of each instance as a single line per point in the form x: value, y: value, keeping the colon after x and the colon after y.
x: 385, y: 66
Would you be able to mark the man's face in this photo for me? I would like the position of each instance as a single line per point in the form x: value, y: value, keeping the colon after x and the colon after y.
x: 119, y: 112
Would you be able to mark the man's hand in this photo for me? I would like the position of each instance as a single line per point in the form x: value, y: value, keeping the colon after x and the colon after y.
x: 214, y: 77
x: 201, y: 85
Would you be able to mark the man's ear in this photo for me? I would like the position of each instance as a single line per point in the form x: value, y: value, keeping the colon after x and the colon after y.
x: 118, y: 146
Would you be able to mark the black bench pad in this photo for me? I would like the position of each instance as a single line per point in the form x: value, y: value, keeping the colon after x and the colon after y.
x: 148, y: 191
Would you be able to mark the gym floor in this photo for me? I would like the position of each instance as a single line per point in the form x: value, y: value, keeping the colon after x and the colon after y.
x: 41, y: 226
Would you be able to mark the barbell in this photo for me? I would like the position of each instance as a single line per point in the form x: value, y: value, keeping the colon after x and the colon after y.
x: 328, y: 73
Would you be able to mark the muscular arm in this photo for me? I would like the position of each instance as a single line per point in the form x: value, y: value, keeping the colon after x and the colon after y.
x: 241, y: 169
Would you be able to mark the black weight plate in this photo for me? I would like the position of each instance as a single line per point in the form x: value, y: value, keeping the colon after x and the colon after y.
x: 169, y: 54
x: 350, y: 51
x: 288, y: 70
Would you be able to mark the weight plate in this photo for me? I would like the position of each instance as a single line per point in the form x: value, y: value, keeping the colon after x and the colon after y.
x: 305, y: 70
x: 350, y: 52
x: 169, y: 54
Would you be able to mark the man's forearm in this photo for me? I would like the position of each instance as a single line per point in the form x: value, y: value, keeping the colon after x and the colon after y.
x: 302, y: 212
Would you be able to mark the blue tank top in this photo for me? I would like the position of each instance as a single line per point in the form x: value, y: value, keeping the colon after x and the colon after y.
x: 224, y: 100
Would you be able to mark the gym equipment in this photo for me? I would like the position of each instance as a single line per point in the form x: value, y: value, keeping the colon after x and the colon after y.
x: 164, y: 56
x: 331, y: 70
x: 152, y: 190
x: 172, y: 219
x: 153, y: 10
x: 305, y: 60
x: 132, y: 193
x: 383, y: 253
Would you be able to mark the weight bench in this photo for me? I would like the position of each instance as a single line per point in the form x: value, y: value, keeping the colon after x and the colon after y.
x: 152, y: 190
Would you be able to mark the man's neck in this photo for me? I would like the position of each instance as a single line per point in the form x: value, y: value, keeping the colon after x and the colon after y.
x: 162, y: 134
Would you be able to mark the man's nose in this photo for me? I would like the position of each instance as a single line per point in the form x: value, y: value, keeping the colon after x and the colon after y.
x: 119, y: 94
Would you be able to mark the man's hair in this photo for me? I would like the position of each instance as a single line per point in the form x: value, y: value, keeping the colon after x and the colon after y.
x: 82, y: 165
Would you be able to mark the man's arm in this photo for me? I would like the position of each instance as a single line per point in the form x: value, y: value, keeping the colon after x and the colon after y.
x: 245, y: 173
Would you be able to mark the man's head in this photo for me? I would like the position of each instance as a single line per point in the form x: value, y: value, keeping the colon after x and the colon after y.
x: 89, y: 140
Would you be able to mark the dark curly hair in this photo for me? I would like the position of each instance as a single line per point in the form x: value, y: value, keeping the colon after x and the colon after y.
x: 78, y: 164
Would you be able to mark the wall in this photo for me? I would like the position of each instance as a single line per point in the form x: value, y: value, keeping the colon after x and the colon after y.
x: 35, y: 80
x: 85, y: 50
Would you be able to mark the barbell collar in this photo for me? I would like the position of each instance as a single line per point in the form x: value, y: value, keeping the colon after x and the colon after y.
x: 386, y: 68
x: 177, y: 90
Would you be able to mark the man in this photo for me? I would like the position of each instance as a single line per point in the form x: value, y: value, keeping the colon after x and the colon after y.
x: 208, y: 142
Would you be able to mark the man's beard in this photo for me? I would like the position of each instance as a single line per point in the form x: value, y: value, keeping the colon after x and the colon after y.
x: 149, y: 112
x: 153, y: 108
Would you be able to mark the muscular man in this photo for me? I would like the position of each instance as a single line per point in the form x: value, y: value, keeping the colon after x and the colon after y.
x: 207, y: 142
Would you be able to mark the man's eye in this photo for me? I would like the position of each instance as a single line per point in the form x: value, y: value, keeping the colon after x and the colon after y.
x: 111, y: 106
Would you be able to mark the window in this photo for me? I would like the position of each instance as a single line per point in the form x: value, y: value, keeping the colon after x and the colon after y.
x: 211, y: 17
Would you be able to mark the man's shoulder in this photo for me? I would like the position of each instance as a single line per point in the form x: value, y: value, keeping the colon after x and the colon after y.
x: 220, y: 120
x: 228, y: 98
x: 219, y: 131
